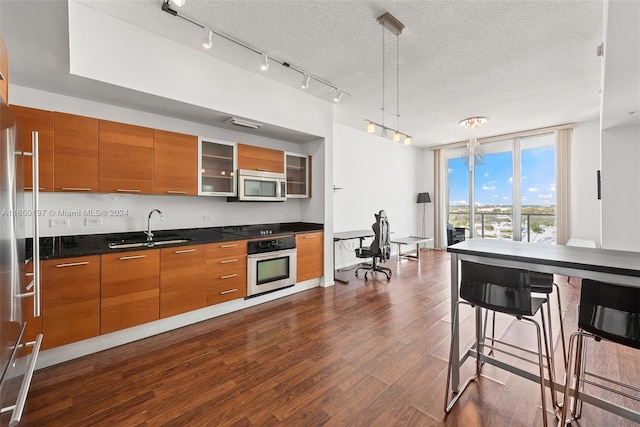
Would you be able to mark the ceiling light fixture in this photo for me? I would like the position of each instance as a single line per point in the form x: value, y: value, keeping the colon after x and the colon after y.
x: 242, y: 122
x: 473, y: 122
x: 166, y: 7
x: 390, y: 23
x: 265, y: 63
x: 207, y: 41
x: 305, y: 82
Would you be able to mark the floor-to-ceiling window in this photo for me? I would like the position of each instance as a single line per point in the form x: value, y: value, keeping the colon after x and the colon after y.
x: 511, y: 186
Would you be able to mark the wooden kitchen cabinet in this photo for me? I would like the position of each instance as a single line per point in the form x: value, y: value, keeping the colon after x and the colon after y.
x: 75, y: 153
x: 310, y: 261
x: 30, y: 119
x: 298, y: 175
x: 70, y: 300
x: 175, y: 162
x: 130, y: 289
x: 226, y: 271
x: 126, y: 158
x: 260, y: 158
x: 4, y: 71
x: 183, y: 273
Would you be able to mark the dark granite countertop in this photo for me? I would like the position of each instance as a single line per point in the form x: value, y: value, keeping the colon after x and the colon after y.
x: 98, y: 244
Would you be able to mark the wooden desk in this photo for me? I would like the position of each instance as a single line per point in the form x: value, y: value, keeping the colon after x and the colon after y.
x: 411, y: 240
x: 347, y: 235
x: 619, y: 267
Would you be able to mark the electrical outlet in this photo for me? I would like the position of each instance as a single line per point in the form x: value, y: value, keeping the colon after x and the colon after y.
x: 59, y: 222
x: 92, y: 221
x: 207, y: 218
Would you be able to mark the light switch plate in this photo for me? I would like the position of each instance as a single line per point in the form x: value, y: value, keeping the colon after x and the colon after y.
x: 59, y: 222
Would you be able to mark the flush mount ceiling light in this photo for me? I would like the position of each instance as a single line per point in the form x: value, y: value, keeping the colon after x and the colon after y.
x: 266, y: 59
x: 391, y: 24
x: 242, y: 122
x: 473, y: 122
x: 207, y: 41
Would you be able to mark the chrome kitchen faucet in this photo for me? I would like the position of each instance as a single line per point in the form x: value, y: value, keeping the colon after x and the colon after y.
x: 148, y: 232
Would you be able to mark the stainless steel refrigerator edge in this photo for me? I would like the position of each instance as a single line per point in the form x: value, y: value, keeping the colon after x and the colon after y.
x: 16, y: 368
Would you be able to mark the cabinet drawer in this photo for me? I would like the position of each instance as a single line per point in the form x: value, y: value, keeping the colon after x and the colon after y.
x: 221, y: 249
x: 226, y: 264
x: 226, y: 287
x: 182, y: 279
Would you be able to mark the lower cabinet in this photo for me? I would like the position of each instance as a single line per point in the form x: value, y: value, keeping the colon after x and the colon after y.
x: 226, y: 271
x: 130, y: 289
x: 182, y: 279
x: 70, y: 300
x: 310, y: 256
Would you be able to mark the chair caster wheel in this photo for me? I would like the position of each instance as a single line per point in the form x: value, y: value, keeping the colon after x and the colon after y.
x: 356, y: 274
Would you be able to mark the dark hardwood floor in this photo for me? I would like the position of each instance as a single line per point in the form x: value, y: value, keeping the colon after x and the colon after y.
x: 367, y: 353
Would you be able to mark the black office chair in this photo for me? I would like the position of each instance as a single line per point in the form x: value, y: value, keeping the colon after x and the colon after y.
x: 455, y: 234
x: 610, y: 312
x: 503, y: 290
x: 380, y: 248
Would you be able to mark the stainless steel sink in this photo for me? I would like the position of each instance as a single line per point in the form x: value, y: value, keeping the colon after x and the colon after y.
x: 145, y: 244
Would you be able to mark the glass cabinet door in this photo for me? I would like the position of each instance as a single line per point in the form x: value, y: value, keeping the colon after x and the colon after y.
x: 298, y: 175
x: 217, y: 165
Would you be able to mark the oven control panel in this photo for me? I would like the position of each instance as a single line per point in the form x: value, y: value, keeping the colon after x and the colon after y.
x: 271, y: 245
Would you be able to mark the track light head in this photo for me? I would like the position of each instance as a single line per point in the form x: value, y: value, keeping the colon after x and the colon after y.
x: 383, y: 133
x: 265, y: 63
x: 207, y: 41
x: 396, y: 136
x: 178, y: 3
x: 407, y: 140
x: 305, y: 82
x: 338, y: 96
x: 371, y: 127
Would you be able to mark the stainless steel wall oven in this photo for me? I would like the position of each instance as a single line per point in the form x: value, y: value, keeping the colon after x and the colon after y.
x: 271, y: 264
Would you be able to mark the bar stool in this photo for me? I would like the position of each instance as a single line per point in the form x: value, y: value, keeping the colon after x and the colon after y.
x: 503, y: 290
x: 610, y: 312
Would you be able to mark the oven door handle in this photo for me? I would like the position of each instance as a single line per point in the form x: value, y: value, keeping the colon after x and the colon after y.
x: 273, y: 254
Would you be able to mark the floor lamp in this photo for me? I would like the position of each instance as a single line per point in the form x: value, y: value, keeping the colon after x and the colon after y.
x: 424, y: 199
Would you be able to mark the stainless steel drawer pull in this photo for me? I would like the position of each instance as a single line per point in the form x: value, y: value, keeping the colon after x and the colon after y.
x: 28, y: 274
x: 263, y: 170
x: 133, y: 257
x: 227, y: 261
x: 72, y: 264
x: 76, y: 189
x: 176, y: 192
x: 228, y: 246
x: 184, y: 251
x: 124, y: 190
x: 228, y: 292
x: 229, y: 276
x: 31, y: 188
x: 310, y: 237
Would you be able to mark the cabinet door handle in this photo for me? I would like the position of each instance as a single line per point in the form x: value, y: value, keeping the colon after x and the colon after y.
x: 125, y: 190
x: 310, y: 237
x: 228, y: 246
x: 263, y: 170
x: 227, y: 261
x: 31, y: 188
x: 76, y: 189
x: 228, y: 276
x: 184, y: 251
x: 229, y: 291
x: 176, y: 192
x: 72, y: 264
x: 133, y: 257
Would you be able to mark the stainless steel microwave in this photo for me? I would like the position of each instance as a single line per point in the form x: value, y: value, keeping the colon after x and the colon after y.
x: 259, y: 186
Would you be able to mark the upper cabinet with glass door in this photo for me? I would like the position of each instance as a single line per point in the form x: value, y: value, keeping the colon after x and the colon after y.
x: 217, y: 165
x: 298, y: 170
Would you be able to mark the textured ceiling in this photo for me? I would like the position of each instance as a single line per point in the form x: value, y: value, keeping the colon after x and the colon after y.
x: 522, y: 64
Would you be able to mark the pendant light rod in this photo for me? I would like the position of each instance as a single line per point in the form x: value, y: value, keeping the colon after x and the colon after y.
x: 167, y: 8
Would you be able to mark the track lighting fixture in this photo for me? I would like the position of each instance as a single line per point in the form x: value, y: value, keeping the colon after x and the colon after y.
x: 384, y: 132
x: 305, y: 82
x: 207, y: 41
x: 265, y: 62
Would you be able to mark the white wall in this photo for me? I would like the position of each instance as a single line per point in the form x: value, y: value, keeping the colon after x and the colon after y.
x: 374, y: 174
x: 621, y: 188
x: 585, y: 161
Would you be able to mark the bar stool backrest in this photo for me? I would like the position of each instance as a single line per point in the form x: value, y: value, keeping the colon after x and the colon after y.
x: 502, y: 289
x: 611, y: 312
